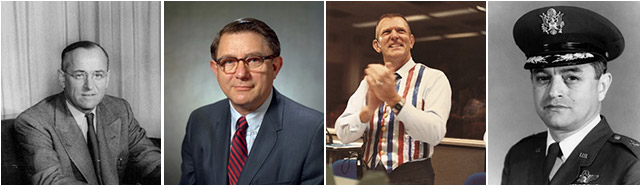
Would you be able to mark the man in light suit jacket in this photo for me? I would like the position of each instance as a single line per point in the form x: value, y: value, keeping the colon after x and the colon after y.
x: 257, y: 135
x: 81, y: 136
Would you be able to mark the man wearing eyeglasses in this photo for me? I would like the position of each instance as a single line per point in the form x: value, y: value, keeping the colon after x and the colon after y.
x: 256, y: 135
x: 81, y: 135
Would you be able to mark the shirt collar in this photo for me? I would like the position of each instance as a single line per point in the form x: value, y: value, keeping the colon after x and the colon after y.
x: 77, y: 113
x: 254, y: 119
x: 568, y: 144
x: 404, y: 70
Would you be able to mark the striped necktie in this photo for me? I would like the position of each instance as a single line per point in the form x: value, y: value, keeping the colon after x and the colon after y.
x: 238, y: 154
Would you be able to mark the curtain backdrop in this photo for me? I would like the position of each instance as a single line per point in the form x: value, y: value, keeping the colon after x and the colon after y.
x: 34, y: 34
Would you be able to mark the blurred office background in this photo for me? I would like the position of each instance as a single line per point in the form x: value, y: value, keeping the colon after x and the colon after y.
x: 450, y: 36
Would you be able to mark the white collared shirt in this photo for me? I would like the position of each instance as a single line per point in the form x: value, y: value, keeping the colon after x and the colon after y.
x: 81, y: 120
x: 420, y: 124
x: 254, y: 120
x: 571, y: 142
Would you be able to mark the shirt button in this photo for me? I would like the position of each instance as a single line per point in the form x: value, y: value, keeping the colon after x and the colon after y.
x: 383, y: 129
x: 383, y: 140
x: 385, y: 115
x: 382, y: 152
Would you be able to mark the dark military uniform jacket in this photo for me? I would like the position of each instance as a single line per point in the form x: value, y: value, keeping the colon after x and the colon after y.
x: 602, y: 157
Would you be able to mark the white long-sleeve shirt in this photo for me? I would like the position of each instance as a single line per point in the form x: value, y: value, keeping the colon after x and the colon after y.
x: 410, y: 135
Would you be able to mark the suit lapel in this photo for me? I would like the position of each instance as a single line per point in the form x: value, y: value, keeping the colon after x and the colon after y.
x: 265, y: 141
x: 108, y: 128
x: 219, y: 144
x: 584, y: 154
x: 75, y: 145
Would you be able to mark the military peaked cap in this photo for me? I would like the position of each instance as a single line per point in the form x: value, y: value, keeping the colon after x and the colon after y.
x: 563, y: 35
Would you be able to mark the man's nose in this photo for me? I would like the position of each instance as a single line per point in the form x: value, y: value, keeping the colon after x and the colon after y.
x: 557, y: 87
x: 394, y: 35
x: 242, y: 71
x: 89, y: 83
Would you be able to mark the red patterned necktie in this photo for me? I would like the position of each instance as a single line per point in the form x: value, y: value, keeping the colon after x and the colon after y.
x: 238, y: 153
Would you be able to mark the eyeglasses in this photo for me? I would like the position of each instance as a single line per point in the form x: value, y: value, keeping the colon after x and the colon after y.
x: 253, y: 63
x: 81, y: 75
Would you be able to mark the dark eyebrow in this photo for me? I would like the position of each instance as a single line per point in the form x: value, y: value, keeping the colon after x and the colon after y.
x: 571, y: 70
x: 535, y: 71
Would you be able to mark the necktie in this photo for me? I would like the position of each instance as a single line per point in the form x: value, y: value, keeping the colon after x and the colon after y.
x: 94, y: 149
x: 553, y: 153
x: 238, y: 153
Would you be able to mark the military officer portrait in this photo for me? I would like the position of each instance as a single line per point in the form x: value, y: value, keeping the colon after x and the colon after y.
x: 565, y: 74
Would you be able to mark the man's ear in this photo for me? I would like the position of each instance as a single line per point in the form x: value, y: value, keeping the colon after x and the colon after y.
x: 277, y: 65
x: 61, y: 78
x: 376, y: 45
x: 214, y: 67
x: 413, y: 41
x: 603, y: 85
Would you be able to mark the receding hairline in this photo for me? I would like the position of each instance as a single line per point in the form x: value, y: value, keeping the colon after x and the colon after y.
x: 66, y: 59
x: 391, y: 16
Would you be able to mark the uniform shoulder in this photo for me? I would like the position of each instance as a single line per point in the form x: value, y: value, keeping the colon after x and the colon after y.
x: 629, y: 143
x: 530, y: 140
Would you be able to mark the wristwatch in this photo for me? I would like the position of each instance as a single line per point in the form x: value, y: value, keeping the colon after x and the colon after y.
x: 396, y: 108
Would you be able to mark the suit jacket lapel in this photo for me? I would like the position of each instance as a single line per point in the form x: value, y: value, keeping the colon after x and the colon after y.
x: 75, y: 145
x: 219, y: 144
x: 266, y: 139
x: 584, y: 154
x: 108, y: 128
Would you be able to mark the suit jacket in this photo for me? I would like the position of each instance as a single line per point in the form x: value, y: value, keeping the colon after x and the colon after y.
x: 602, y: 157
x: 289, y: 147
x: 57, y: 152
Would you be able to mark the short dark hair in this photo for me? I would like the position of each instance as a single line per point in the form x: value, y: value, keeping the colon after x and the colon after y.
x: 392, y: 15
x: 84, y: 45
x: 600, y: 67
x: 251, y: 25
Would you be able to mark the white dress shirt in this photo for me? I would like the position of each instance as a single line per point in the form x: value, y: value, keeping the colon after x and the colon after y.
x: 570, y: 143
x: 254, y: 120
x: 423, y: 118
x: 81, y: 120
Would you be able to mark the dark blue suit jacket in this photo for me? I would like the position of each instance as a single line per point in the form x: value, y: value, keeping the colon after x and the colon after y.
x: 289, y: 148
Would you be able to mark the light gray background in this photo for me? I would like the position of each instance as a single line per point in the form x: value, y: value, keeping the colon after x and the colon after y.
x: 189, y: 82
x: 512, y: 114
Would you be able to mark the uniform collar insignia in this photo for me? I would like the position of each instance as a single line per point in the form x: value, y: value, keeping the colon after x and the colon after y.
x: 583, y: 155
x: 586, y: 177
x: 552, y: 22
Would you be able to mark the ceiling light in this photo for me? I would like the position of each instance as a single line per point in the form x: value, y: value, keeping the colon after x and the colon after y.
x: 410, y: 18
x: 454, y: 12
x: 364, y: 24
x: 461, y: 35
x: 428, y: 38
